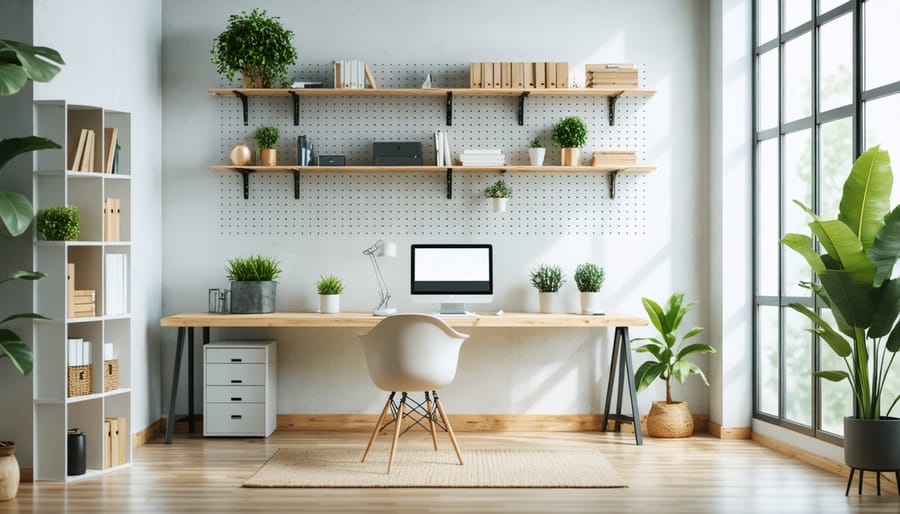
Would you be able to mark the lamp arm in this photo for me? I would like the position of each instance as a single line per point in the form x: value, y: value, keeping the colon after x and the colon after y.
x: 383, y: 292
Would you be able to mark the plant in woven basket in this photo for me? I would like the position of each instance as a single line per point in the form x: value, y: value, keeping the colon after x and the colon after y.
x: 257, y: 45
x: 329, y: 284
x: 547, y: 278
x: 60, y: 223
x: 256, y: 268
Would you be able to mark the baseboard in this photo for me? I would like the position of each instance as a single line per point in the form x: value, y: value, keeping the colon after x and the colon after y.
x: 26, y: 474
x: 701, y: 424
x: 460, y: 422
x: 717, y: 430
x: 142, y: 437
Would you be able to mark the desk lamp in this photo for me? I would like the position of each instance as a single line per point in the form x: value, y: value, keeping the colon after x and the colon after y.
x: 380, y: 248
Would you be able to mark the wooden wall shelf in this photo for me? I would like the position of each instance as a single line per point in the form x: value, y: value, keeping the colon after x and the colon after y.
x: 245, y: 172
x: 611, y: 94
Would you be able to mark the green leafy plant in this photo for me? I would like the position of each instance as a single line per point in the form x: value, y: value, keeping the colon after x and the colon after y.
x: 589, y: 277
x: 256, y: 44
x: 670, y: 353
x: 256, y: 268
x: 855, y: 281
x: 59, y: 223
x: 536, y: 143
x: 547, y: 278
x: 570, y: 132
x: 498, y: 189
x: 20, y: 63
x: 329, y: 284
x: 266, y: 136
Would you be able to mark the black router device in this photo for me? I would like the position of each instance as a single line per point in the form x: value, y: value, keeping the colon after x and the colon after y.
x: 397, y: 154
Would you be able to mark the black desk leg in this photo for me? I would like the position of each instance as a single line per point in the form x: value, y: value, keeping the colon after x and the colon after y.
x: 191, y: 379
x: 176, y: 371
x: 621, y: 363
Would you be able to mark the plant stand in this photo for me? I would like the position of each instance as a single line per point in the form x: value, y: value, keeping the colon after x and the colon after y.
x: 877, y: 480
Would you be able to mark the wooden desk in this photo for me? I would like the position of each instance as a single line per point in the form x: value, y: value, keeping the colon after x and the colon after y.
x: 621, y: 355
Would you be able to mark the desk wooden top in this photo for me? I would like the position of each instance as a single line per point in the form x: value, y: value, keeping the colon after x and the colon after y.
x: 362, y: 320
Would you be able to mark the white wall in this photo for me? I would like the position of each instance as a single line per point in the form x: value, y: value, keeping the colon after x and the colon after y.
x: 541, y: 371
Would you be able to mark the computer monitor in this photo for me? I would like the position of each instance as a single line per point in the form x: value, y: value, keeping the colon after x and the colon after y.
x: 452, y: 275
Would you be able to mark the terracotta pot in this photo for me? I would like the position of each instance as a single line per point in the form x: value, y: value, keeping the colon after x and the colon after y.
x: 670, y: 420
x: 570, y: 156
x: 240, y: 155
x: 268, y: 157
x: 9, y: 472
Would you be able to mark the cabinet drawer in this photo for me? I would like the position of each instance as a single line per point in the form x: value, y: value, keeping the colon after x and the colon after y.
x: 234, y: 419
x: 235, y: 374
x: 235, y: 355
x: 236, y: 394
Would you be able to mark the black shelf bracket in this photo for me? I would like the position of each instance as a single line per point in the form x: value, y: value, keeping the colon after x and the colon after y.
x: 245, y: 175
x: 449, y: 108
x: 296, y: 184
x: 243, y: 98
x: 449, y: 183
x: 296, y: 108
x: 612, y: 109
x: 612, y: 184
x: 522, y: 98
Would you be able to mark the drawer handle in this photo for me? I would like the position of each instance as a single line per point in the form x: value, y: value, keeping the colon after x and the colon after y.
x: 235, y: 416
x: 236, y: 399
x: 237, y: 381
x: 237, y: 359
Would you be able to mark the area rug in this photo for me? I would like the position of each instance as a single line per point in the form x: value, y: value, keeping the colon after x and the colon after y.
x: 341, y: 467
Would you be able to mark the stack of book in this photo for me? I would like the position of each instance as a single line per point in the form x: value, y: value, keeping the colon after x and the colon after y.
x: 518, y: 75
x: 441, y: 149
x: 617, y: 158
x: 85, y: 303
x: 610, y: 75
x: 483, y: 157
x: 352, y: 74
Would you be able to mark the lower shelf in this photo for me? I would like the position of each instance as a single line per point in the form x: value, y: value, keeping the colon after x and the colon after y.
x: 91, y: 473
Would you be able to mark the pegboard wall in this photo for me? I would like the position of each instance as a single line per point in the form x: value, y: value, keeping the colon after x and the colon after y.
x: 415, y: 204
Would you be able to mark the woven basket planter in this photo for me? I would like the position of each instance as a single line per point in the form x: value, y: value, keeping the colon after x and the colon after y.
x: 670, y: 420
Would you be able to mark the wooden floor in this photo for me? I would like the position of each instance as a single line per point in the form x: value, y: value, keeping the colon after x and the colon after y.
x: 700, y: 474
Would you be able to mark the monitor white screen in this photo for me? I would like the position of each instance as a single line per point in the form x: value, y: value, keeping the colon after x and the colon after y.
x: 461, y: 269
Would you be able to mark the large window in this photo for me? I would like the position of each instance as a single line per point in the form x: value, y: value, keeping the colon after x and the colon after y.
x: 826, y: 87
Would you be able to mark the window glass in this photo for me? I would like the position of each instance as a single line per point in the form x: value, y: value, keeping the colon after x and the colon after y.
x: 768, y: 228
x: 797, y: 173
x: 836, y: 63
x: 837, y: 400
x: 883, y: 128
x: 798, y: 365
x: 768, y: 90
x: 798, y: 78
x: 882, y: 36
x: 827, y: 5
x: 795, y: 12
x: 767, y: 359
x: 767, y: 20
x: 835, y: 161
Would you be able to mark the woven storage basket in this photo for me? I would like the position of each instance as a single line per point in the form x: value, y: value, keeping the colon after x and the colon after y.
x: 111, y: 375
x: 79, y: 380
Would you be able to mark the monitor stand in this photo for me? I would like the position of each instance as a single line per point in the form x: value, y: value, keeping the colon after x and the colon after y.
x: 454, y: 309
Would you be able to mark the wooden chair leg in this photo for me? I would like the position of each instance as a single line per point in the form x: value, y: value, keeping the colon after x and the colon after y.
x: 397, y: 431
x: 437, y: 401
x: 378, y: 423
x: 431, y: 420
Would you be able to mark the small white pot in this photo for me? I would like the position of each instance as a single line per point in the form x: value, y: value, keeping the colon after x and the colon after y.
x: 590, y: 303
x: 536, y: 156
x: 499, y: 204
x: 329, y: 303
x: 551, y: 303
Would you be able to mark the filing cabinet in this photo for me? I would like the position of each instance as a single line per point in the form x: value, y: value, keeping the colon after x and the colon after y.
x: 239, y: 388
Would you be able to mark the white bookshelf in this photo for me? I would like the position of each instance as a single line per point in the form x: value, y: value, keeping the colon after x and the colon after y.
x: 55, y: 183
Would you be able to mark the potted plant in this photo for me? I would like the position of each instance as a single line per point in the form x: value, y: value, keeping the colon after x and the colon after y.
x: 547, y: 279
x: 252, y: 284
x: 589, y: 279
x: 570, y: 134
x: 669, y: 418
x: 536, y: 151
x: 499, y: 193
x: 330, y: 288
x: 266, y: 137
x: 59, y: 223
x: 19, y: 63
x: 855, y: 280
x: 256, y: 45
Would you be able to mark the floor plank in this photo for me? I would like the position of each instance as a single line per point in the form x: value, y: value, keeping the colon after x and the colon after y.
x: 700, y: 474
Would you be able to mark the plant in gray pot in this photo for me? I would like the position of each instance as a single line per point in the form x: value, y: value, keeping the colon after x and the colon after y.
x: 855, y: 281
x: 252, y: 284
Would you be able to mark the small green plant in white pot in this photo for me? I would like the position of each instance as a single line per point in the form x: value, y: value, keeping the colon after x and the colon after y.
x: 547, y: 279
x: 499, y: 193
x: 536, y: 151
x: 330, y: 288
x: 589, y: 279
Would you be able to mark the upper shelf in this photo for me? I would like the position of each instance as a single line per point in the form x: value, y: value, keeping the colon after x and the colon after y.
x: 613, y: 94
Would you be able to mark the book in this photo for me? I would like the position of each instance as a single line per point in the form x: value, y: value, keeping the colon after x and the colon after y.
x: 518, y: 75
x: 369, y: 77
x: 108, y: 352
x: 86, y: 353
x: 550, y: 74
x: 304, y: 84
x: 497, y: 75
x: 338, y: 81
x: 562, y: 75
x: 87, y: 157
x: 505, y: 75
x: 438, y: 148
x: 74, y: 351
x: 70, y: 289
x: 109, y: 144
x: 475, y: 75
x: 487, y: 75
x: 79, y: 151
x: 116, y: 282
x: 113, y: 443
x: 107, y: 441
x: 528, y: 74
x: 122, y: 436
x: 540, y: 80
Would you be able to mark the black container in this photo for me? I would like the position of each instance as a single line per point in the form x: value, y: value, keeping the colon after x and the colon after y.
x: 77, y: 442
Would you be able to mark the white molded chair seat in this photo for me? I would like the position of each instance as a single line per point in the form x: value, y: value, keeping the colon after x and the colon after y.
x: 412, y: 352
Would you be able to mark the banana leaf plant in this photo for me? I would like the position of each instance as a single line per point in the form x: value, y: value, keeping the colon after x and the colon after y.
x: 19, y: 63
x: 855, y: 281
x: 669, y: 352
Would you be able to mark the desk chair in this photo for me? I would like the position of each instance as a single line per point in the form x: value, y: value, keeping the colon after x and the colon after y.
x: 412, y: 352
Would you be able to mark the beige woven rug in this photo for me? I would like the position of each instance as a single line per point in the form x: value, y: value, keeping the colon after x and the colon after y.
x: 340, y: 467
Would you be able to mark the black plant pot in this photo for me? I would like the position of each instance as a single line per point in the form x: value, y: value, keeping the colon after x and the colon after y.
x: 252, y: 297
x: 872, y: 444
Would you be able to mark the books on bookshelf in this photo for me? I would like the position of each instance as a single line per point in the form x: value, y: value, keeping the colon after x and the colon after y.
x: 441, y: 149
x: 519, y: 75
x: 79, y: 352
x: 353, y: 74
x: 305, y: 84
x: 610, y: 75
x: 482, y: 157
x: 304, y: 151
x: 84, y: 158
x: 116, y: 284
